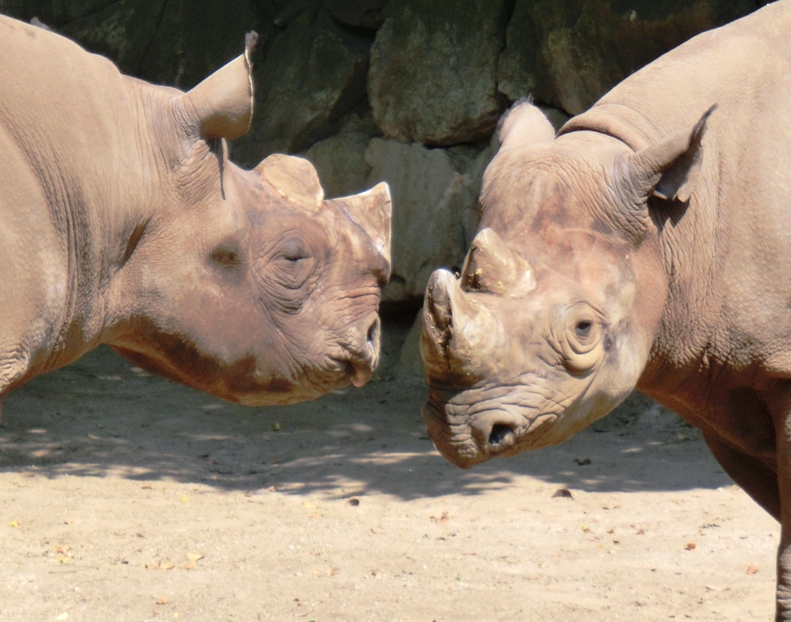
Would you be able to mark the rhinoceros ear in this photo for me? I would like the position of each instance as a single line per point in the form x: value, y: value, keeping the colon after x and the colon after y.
x: 670, y: 168
x: 524, y: 124
x: 222, y: 105
x: 372, y: 210
x: 294, y: 179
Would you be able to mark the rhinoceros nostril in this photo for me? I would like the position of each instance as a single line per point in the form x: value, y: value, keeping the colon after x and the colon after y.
x: 373, y: 333
x: 499, y: 434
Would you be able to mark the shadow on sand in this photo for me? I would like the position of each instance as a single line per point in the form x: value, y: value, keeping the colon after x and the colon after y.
x: 99, y: 416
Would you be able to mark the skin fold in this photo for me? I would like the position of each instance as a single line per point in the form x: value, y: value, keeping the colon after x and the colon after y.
x: 646, y: 246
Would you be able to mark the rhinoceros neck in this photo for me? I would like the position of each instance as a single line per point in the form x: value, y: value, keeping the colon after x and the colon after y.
x: 80, y: 128
x: 736, y: 218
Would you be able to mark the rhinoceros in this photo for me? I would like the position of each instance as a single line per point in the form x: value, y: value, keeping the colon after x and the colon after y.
x: 122, y: 221
x: 647, y: 245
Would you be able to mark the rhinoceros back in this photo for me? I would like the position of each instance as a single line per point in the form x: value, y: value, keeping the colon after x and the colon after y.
x: 742, y: 67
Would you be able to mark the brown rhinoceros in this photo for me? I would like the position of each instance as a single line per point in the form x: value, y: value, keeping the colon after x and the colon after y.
x: 123, y: 222
x: 647, y: 246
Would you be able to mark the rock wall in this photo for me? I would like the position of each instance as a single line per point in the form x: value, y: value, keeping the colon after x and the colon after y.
x: 406, y: 91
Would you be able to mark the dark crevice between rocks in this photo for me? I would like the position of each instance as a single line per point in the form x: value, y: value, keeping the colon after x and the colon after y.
x: 509, y: 8
x: 152, y: 38
x: 361, y: 32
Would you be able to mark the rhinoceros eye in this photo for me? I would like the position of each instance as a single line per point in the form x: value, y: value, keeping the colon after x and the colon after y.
x: 581, y: 337
x: 293, y: 264
x: 583, y: 328
x: 285, y: 274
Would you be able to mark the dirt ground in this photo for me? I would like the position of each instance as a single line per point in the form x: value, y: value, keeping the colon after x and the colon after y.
x: 126, y: 497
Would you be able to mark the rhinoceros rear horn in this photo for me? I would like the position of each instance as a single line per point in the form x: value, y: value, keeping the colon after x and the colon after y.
x: 222, y: 105
x: 372, y: 211
x: 492, y: 267
x: 295, y: 179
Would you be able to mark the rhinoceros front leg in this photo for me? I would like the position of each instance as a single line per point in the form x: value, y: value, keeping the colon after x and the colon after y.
x: 752, y: 475
x: 781, y: 414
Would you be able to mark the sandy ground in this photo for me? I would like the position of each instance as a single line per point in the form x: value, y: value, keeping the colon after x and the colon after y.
x: 126, y: 497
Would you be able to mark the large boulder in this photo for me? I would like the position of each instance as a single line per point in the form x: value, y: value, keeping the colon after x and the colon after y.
x: 433, y: 72
x: 187, y: 42
x: 568, y: 54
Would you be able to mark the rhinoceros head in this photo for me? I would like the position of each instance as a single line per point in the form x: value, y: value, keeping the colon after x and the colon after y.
x: 250, y: 285
x: 551, y: 321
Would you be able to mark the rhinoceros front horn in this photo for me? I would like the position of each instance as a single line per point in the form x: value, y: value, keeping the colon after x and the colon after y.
x: 457, y: 332
x: 491, y: 267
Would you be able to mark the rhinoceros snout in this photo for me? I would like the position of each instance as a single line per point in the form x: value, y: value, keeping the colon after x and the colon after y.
x: 466, y: 438
x: 460, y: 450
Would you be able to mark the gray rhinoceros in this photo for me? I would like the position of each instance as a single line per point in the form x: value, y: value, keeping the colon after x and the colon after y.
x: 647, y: 246
x: 123, y: 222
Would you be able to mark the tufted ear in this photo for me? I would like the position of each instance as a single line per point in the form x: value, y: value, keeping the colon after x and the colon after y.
x: 372, y: 211
x: 294, y: 179
x: 222, y: 105
x: 670, y: 169
x: 524, y: 124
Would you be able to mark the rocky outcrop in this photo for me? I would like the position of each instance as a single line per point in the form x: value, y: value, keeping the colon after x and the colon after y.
x: 434, y: 72
x: 405, y: 91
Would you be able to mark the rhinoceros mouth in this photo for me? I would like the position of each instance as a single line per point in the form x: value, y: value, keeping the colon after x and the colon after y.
x: 351, y: 369
x: 469, y: 427
x: 456, y: 446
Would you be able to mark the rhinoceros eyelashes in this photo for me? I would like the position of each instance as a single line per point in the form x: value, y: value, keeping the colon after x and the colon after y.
x: 286, y: 273
x: 292, y: 271
x: 289, y: 264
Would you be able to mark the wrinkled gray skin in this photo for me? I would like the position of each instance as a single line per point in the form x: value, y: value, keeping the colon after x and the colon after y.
x: 647, y: 246
x: 122, y: 221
